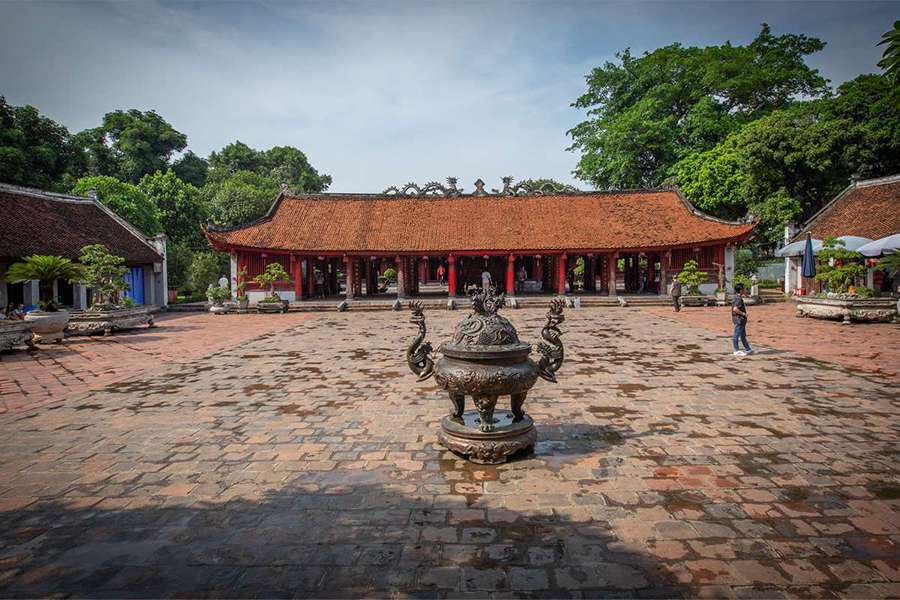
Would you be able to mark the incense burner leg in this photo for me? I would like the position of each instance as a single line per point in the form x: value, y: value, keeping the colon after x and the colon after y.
x: 459, y: 405
x: 485, y: 406
x: 515, y: 405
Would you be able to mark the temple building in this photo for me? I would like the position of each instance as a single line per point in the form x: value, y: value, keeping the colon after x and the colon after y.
x: 624, y: 242
x: 38, y: 222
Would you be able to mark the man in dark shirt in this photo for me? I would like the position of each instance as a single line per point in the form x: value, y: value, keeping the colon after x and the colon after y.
x: 739, y: 318
x: 676, y: 293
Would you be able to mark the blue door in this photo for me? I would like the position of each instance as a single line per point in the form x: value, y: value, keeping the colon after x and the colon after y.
x: 135, y: 280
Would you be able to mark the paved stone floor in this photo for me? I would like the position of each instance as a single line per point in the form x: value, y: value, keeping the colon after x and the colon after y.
x: 302, y: 463
x: 872, y: 347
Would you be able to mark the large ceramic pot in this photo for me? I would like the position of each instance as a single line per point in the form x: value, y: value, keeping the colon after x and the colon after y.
x: 483, y: 361
x: 15, y: 333
x: 48, y: 326
x: 89, y: 322
x: 848, y: 309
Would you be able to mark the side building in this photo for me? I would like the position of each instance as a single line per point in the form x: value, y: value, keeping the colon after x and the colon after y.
x: 38, y: 222
x: 623, y: 242
x: 866, y: 210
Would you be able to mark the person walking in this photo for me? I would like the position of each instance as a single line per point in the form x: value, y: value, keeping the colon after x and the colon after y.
x: 521, y: 277
x: 739, y: 319
x: 675, y: 290
x: 440, y: 273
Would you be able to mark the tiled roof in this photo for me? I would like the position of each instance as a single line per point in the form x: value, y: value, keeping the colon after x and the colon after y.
x: 868, y: 209
x: 37, y: 222
x: 586, y: 221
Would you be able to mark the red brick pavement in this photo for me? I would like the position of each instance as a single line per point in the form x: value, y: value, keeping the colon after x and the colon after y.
x: 874, y: 348
x: 53, y: 372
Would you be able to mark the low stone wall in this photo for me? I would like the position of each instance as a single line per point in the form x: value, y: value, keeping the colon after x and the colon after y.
x: 873, y: 310
x: 93, y: 322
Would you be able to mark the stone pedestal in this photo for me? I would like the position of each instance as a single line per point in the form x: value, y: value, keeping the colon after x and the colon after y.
x: 488, y: 448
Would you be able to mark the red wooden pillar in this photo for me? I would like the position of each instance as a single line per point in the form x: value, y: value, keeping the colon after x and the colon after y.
x: 511, y: 275
x: 613, y: 260
x: 538, y: 274
x: 663, y: 272
x: 423, y: 270
x: 451, y: 275
x: 310, y: 277
x: 561, y: 274
x: 651, y: 272
x: 297, y: 274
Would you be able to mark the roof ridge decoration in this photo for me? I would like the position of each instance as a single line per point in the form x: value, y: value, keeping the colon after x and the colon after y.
x: 451, y: 190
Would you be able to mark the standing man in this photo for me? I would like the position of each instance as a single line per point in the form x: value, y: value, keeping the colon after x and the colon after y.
x: 485, y: 279
x: 675, y: 290
x: 739, y: 318
x: 521, y: 276
x: 440, y: 273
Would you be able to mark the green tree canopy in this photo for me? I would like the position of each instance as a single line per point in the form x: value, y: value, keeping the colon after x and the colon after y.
x: 35, y: 151
x: 191, y: 168
x: 281, y: 164
x: 646, y: 113
x: 786, y: 165
x: 130, y: 144
x: 238, y: 198
x: 179, y: 206
x: 124, y: 199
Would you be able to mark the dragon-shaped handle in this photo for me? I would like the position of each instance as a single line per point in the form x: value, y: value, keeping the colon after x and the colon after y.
x: 418, y: 355
x: 551, y: 347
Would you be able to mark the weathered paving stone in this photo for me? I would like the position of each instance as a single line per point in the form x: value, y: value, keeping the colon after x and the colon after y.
x: 300, y: 460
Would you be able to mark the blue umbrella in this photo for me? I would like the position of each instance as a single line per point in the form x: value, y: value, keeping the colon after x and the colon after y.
x: 809, y: 259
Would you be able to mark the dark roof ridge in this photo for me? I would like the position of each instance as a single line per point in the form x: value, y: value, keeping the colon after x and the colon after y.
x: 82, y: 200
x: 382, y: 196
x: 887, y: 179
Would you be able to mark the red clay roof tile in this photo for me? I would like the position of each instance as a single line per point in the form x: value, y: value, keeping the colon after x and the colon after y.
x: 595, y: 221
x: 870, y: 209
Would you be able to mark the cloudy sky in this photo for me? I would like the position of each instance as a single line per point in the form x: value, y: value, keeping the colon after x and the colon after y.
x: 380, y: 92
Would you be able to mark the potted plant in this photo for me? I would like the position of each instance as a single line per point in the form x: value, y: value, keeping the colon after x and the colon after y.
x: 49, y: 322
x: 242, y: 298
x: 217, y: 297
x: 272, y: 302
x: 691, y: 277
x: 105, y: 273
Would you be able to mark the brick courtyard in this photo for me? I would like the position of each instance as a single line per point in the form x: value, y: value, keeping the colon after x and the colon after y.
x: 294, y: 455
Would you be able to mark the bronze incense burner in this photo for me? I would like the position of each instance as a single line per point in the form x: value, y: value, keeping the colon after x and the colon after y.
x: 485, y: 360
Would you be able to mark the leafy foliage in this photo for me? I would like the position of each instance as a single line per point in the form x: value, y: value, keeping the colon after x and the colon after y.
x: 178, y: 205
x: 124, y: 199
x: 890, y: 60
x: 217, y: 295
x: 104, y: 272
x: 35, y: 151
x: 691, y: 276
x: 845, y: 268
x: 46, y: 269
x: 239, y: 198
x: 178, y: 264
x: 130, y: 144
x: 205, y: 270
x: 646, y: 113
x: 191, y: 169
x: 890, y: 263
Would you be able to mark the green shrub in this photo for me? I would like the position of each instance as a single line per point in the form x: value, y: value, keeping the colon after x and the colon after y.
x: 46, y: 269
x: 846, y: 268
x: 390, y: 275
x: 274, y: 272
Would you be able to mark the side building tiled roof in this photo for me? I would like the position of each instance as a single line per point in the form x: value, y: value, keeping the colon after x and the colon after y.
x: 37, y: 222
x: 868, y: 208
x: 379, y: 223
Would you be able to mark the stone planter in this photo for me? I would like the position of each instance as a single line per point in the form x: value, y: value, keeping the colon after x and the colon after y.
x: 90, y: 322
x: 48, y: 326
x: 218, y: 309
x: 720, y: 298
x: 697, y: 300
x: 272, y: 307
x: 15, y: 333
x: 873, y: 310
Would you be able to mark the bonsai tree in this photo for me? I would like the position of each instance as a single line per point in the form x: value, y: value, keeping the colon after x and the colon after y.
x: 274, y: 272
x: 838, y: 267
x: 45, y: 269
x: 105, y: 273
x: 691, y: 276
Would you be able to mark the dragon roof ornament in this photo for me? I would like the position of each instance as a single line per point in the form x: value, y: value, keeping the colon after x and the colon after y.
x: 522, y: 188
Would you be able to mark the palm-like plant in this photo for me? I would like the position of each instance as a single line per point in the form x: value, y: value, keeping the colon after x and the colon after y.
x: 46, y: 269
x: 890, y: 263
x: 890, y: 61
